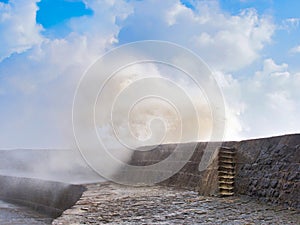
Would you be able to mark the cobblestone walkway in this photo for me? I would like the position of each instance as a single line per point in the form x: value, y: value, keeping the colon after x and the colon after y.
x: 108, y: 203
x: 11, y: 214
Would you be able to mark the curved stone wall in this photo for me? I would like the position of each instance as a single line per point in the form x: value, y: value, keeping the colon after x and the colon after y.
x: 48, y: 197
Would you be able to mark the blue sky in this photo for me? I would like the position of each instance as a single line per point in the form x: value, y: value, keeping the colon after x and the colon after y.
x: 253, y: 46
x: 280, y: 11
x: 63, y: 10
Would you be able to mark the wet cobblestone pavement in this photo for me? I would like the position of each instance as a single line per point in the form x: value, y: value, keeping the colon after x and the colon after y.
x: 11, y: 214
x: 108, y: 203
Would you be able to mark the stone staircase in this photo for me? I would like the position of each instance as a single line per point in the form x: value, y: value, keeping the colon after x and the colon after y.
x: 226, y: 171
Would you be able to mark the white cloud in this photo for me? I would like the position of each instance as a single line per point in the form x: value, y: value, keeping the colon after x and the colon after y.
x: 267, y: 103
x: 225, y: 42
x: 39, y: 83
x: 295, y: 49
x: 18, y: 28
x: 270, y: 68
x: 293, y: 21
x: 290, y: 23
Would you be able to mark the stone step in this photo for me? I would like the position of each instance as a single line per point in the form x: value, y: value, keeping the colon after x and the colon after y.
x: 225, y: 193
x: 226, y: 153
x: 226, y: 180
x: 226, y: 187
x: 226, y: 176
x: 227, y: 165
x: 230, y: 157
x: 230, y: 182
x: 226, y: 160
x: 226, y: 171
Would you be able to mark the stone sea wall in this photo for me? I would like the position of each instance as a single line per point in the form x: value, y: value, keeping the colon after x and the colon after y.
x: 268, y: 168
x: 47, y: 197
x: 189, y: 177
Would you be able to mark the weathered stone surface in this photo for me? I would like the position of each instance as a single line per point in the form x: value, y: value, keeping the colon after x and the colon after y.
x: 108, y: 203
x: 269, y: 169
x: 11, y: 214
x: 266, y: 168
x: 47, y: 197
